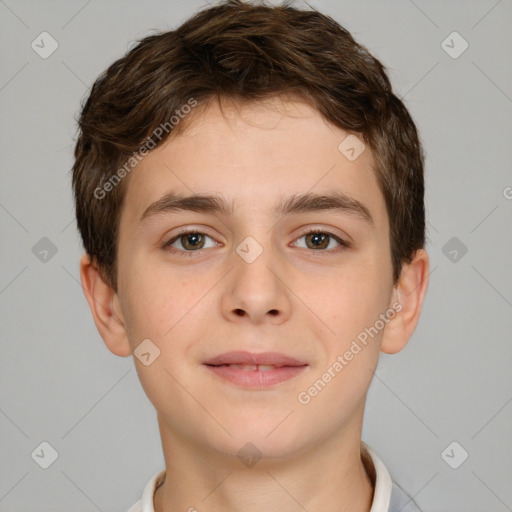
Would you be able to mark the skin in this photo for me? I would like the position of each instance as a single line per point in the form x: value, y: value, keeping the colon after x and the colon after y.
x: 306, y: 302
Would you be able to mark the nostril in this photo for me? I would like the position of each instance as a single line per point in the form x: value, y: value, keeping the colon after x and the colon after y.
x: 240, y: 312
x: 273, y: 312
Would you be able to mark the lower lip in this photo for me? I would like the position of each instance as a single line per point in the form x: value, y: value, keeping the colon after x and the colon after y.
x: 256, y: 378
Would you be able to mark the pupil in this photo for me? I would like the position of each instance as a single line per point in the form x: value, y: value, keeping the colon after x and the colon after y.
x: 318, y: 239
x: 193, y: 239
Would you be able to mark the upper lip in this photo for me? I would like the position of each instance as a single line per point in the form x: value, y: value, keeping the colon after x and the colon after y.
x: 249, y: 358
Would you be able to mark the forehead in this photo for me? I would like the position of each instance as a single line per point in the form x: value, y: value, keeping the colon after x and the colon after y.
x: 256, y: 155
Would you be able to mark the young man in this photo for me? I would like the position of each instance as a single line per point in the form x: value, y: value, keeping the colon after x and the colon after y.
x: 249, y: 193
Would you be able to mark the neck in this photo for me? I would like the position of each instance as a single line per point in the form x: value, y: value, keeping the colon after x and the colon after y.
x: 332, y: 477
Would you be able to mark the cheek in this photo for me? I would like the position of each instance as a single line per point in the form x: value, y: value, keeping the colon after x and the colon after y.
x: 344, y: 373
x: 159, y: 300
x: 354, y: 297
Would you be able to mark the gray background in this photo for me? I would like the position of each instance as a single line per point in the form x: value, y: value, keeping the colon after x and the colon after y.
x: 60, y: 384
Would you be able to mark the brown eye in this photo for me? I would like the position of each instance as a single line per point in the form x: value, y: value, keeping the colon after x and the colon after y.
x: 192, y: 241
x: 189, y: 241
x: 317, y: 240
x: 322, y: 241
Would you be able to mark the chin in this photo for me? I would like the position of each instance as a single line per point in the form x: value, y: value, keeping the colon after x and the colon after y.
x: 269, y: 437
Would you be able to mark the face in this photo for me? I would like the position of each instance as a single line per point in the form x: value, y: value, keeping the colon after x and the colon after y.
x: 255, y: 276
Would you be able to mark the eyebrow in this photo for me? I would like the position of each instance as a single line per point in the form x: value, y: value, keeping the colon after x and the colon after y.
x: 298, y: 203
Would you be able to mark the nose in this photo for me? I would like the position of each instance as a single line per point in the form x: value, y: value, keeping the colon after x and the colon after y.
x: 256, y: 292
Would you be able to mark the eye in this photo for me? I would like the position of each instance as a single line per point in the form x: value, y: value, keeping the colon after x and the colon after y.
x: 317, y: 239
x: 189, y: 241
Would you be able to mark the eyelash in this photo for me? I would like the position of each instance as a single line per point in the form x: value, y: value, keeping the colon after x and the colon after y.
x: 343, y: 243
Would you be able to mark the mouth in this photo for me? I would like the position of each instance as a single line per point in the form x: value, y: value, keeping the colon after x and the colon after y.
x: 251, y: 367
x: 254, y: 371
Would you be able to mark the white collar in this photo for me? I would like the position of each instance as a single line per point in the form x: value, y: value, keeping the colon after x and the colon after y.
x: 383, y: 485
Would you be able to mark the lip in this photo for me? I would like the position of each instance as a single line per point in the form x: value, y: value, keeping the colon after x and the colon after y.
x: 286, y: 368
x: 242, y: 357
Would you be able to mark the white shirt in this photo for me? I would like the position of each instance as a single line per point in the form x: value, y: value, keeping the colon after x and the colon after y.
x: 387, y: 496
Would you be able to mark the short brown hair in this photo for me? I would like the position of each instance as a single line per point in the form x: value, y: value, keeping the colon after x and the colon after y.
x: 245, y: 52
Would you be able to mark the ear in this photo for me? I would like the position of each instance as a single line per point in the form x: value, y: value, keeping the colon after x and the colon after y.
x: 409, y: 293
x: 105, y: 308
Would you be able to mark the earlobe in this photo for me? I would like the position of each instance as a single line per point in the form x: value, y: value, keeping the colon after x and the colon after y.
x: 409, y: 292
x: 105, y: 308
